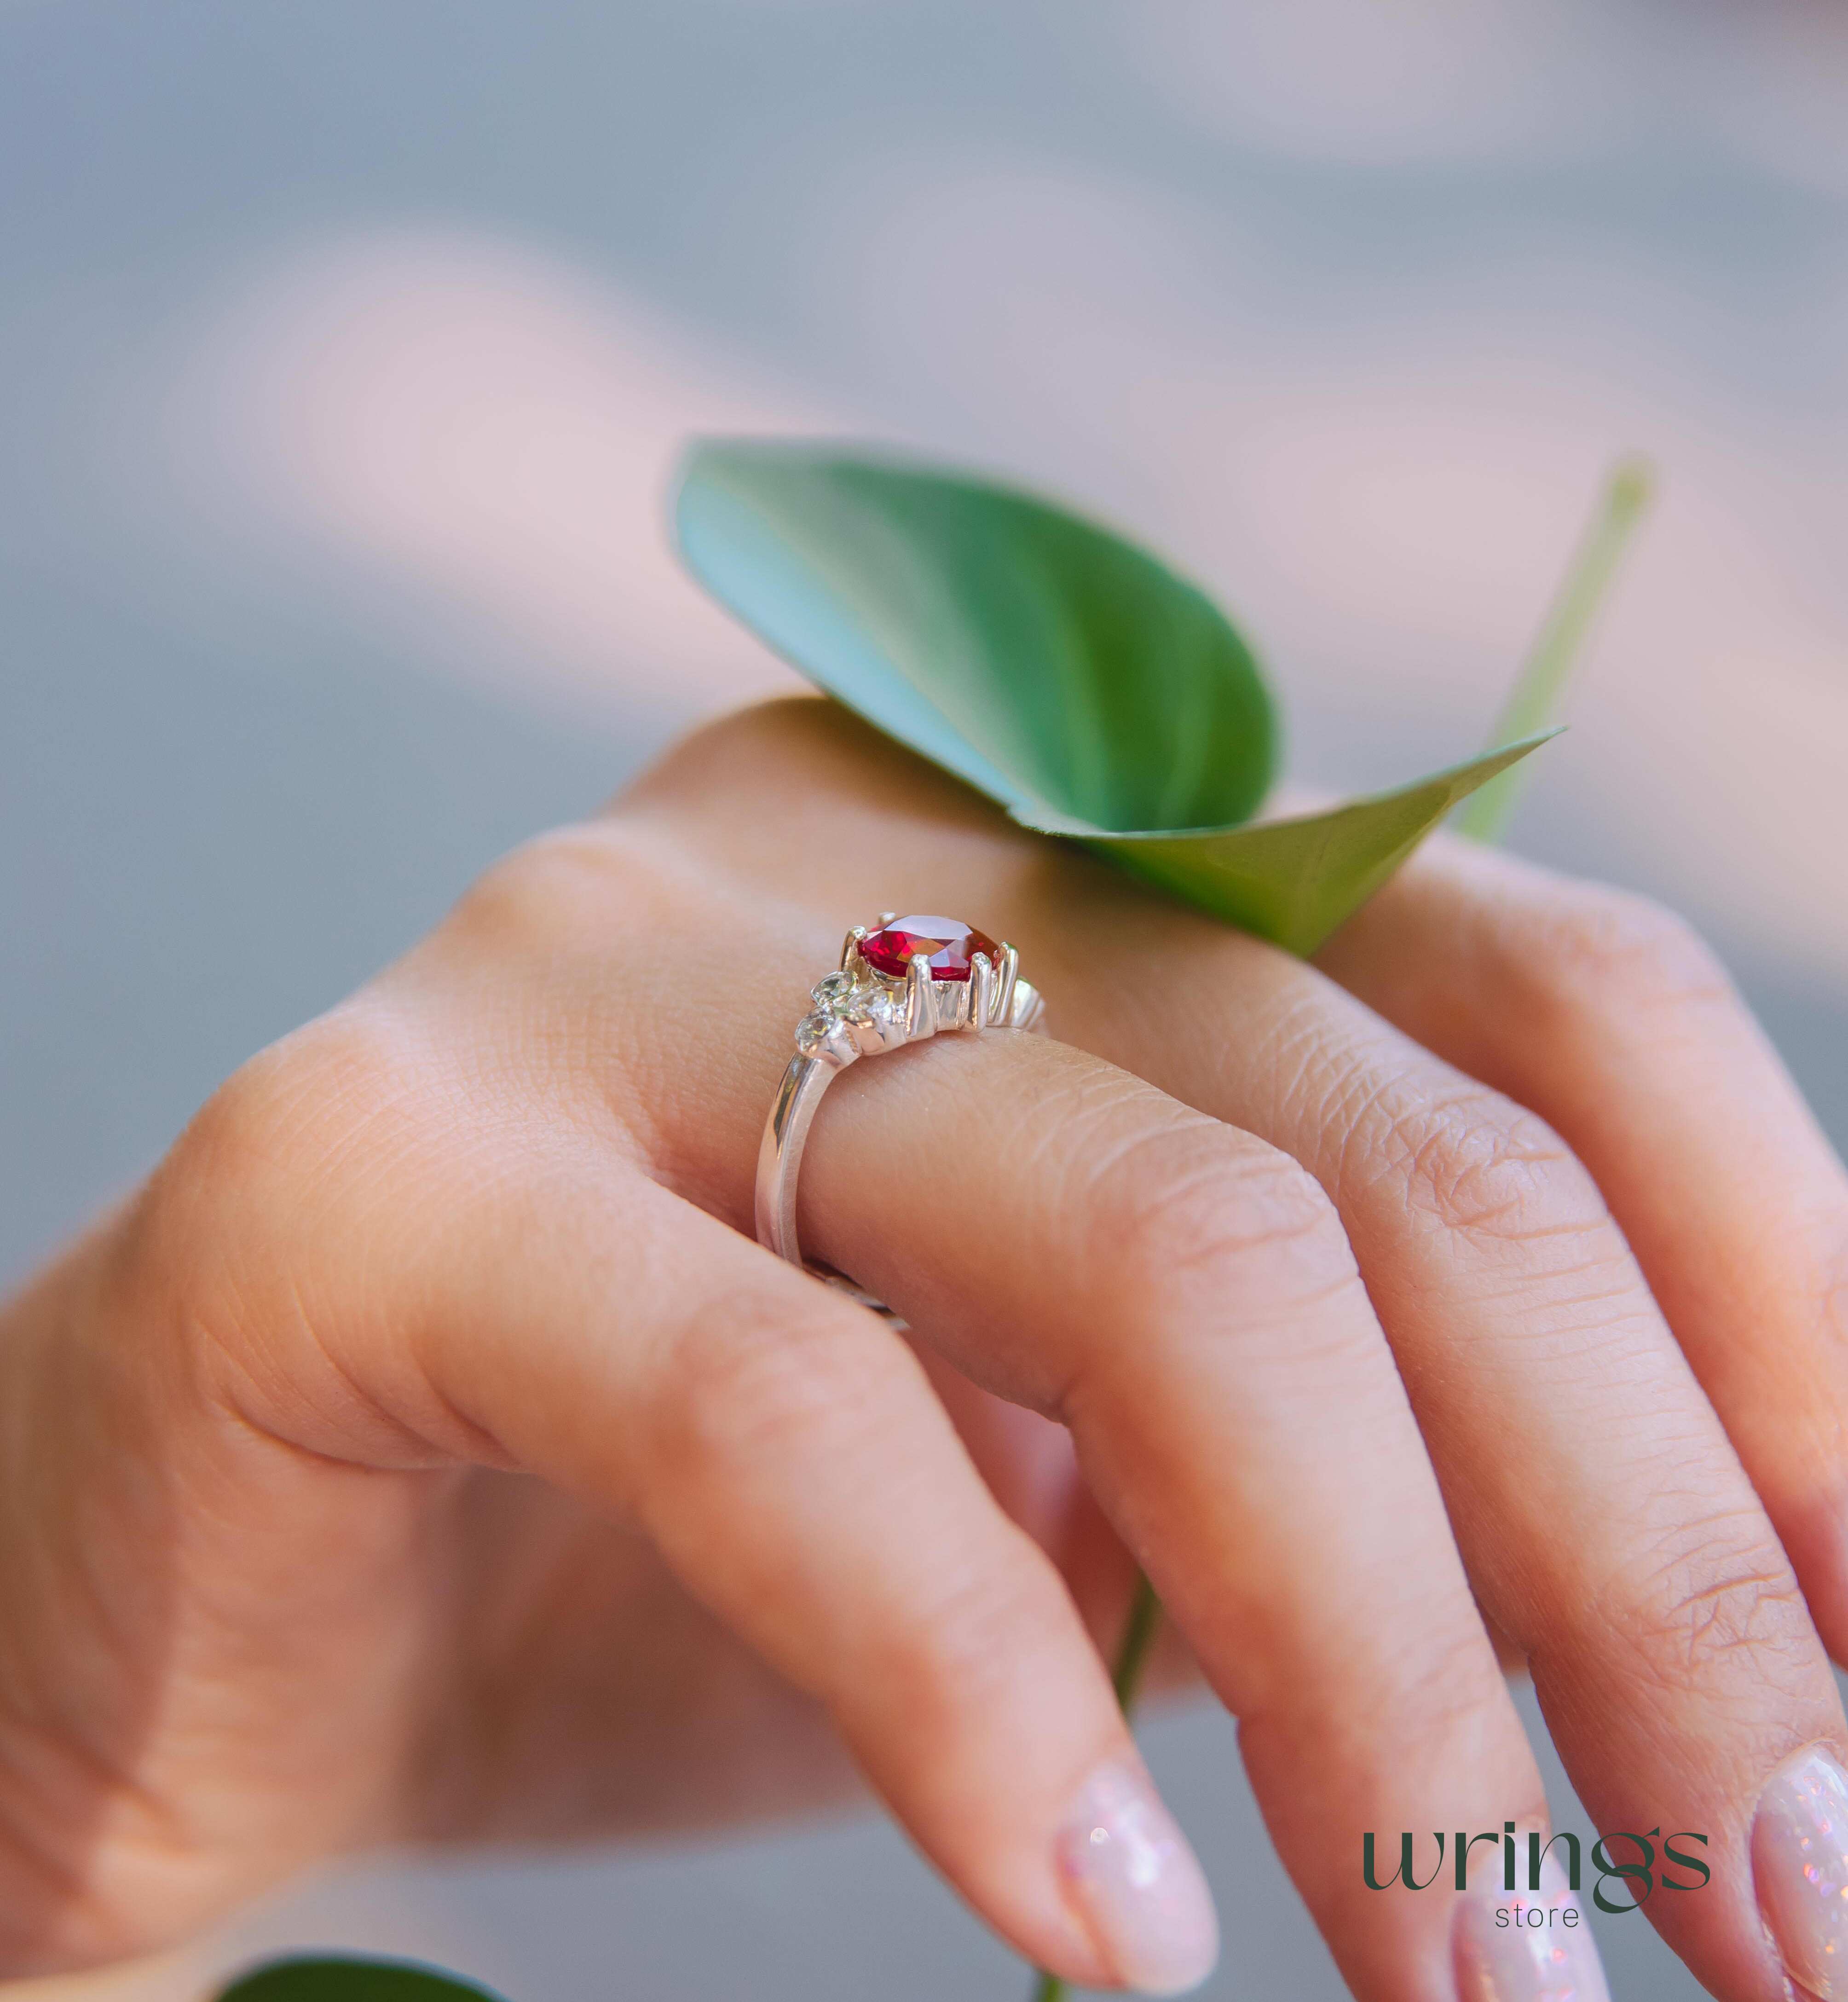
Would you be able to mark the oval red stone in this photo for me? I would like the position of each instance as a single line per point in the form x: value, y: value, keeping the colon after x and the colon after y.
x: 946, y: 945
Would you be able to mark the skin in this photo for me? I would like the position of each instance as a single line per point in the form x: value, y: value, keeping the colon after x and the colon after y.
x: 427, y: 1452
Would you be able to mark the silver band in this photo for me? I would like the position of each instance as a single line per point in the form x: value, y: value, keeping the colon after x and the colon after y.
x: 859, y: 1012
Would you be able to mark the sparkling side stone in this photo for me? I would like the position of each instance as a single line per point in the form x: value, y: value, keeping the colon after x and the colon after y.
x: 874, y: 1005
x: 946, y: 945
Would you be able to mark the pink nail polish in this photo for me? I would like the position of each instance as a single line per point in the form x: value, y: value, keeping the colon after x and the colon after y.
x: 1517, y: 1946
x: 1800, y: 1866
x: 1134, y: 1882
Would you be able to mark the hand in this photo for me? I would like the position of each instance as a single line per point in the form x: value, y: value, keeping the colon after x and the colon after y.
x: 426, y: 1452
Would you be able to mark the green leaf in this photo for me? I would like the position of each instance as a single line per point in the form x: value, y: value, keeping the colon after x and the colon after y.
x: 1292, y: 881
x: 1046, y: 661
x: 1064, y: 672
x: 340, y: 1978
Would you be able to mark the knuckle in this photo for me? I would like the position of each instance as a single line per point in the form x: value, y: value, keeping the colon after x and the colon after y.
x: 1450, y: 1694
x: 753, y: 1379
x: 979, y: 1632
x: 1454, y: 1675
x: 1460, y: 1157
x: 1197, y: 1234
x: 526, y: 981
x: 560, y: 889
x: 1436, y: 1695
x: 260, y: 1141
x: 718, y: 751
x: 264, y: 1174
x: 1479, y: 1167
x: 242, y: 1130
x: 1200, y: 1207
x: 1715, y: 1591
x: 1596, y: 947
x: 819, y: 742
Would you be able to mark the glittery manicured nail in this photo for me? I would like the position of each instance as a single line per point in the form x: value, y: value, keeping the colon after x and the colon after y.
x: 1132, y: 1878
x: 1518, y: 1946
x: 1800, y: 1866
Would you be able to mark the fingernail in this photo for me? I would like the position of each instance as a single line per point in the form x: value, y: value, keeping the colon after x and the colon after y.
x: 1800, y: 1865
x: 1518, y: 1946
x: 1134, y: 1882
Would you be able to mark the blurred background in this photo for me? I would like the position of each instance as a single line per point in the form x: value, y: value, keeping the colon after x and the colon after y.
x: 345, y: 348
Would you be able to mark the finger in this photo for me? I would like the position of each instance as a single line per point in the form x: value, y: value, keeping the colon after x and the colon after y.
x: 1184, y: 1299
x: 556, y: 1312
x: 1026, y: 1461
x: 1610, y: 1018
x: 1604, y: 1518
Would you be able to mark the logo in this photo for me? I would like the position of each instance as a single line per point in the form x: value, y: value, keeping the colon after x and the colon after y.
x: 1638, y: 1870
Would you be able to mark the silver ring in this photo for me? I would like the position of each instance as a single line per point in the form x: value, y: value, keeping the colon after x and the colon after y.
x: 900, y: 983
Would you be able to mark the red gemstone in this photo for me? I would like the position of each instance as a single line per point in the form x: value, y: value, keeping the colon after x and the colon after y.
x: 946, y: 945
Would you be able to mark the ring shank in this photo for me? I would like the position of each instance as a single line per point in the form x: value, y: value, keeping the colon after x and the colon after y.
x: 779, y: 1157
x: 792, y: 1114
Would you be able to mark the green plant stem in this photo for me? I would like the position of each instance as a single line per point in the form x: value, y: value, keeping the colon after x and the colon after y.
x: 1132, y: 1650
x: 1533, y: 703
x: 1126, y: 1679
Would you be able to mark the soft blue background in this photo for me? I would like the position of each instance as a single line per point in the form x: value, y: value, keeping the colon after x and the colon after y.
x: 228, y: 789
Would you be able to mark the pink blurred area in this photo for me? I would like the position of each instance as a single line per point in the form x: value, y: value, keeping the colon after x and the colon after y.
x: 486, y: 434
x: 489, y: 431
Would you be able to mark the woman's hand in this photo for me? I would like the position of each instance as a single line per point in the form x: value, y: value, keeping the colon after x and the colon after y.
x: 425, y: 1451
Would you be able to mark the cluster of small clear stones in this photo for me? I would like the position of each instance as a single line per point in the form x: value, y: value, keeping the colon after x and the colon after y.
x: 840, y: 998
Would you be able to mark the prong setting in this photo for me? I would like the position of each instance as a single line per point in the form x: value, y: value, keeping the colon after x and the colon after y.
x: 874, y: 1003
x: 981, y: 992
x: 1006, y: 974
x: 920, y: 1013
x: 867, y: 1006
